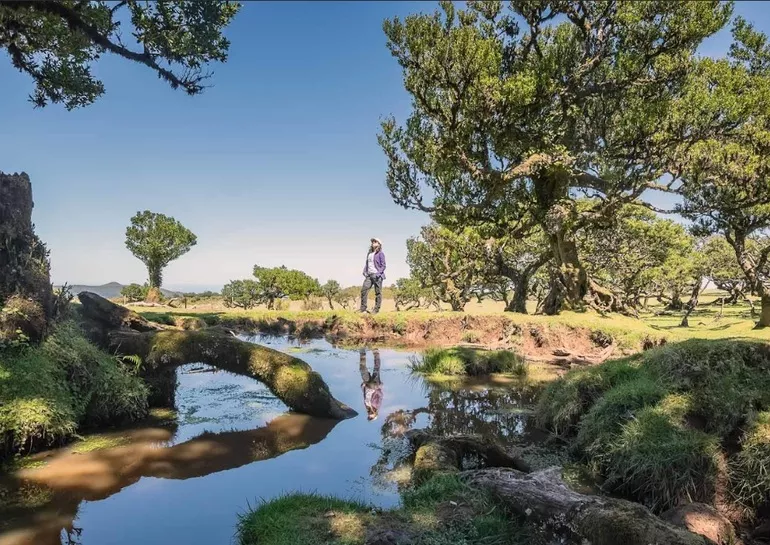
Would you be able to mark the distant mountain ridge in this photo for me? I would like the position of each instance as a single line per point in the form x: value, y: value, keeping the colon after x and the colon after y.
x: 111, y: 290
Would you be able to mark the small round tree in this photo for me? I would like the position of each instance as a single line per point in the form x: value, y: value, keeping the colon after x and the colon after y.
x: 157, y: 240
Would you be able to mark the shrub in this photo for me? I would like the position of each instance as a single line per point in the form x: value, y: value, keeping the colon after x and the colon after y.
x: 312, y: 303
x: 469, y: 361
x: 471, y: 337
x: 282, y: 304
x: 21, y: 320
x: 135, y: 292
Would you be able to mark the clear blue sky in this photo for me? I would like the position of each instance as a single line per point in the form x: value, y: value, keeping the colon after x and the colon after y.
x: 277, y: 164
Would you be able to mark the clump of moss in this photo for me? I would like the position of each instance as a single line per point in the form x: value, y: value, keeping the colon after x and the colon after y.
x: 469, y: 361
x: 442, y: 511
x: 48, y: 392
x: 652, y: 425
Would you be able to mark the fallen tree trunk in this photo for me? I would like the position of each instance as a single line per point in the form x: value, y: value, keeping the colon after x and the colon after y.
x: 545, y: 499
x: 289, y: 378
x: 123, y: 331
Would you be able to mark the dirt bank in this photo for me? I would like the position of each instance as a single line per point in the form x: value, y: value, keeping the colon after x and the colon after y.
x: 573, y: 340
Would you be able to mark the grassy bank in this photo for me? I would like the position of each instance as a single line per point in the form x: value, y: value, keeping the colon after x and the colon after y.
x: 51, y: 391
x: 443, y: 511
x: 685, y: 422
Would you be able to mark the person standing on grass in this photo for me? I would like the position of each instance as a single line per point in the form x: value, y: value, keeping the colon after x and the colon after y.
x: 374, y: 274
x: 371, y: 384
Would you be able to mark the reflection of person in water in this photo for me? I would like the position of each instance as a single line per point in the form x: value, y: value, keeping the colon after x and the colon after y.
x: 371, y: 384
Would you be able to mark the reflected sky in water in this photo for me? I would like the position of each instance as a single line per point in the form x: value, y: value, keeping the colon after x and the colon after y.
x: 234, y: 445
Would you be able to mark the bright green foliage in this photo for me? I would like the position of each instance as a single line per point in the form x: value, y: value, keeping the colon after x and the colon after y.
x: 636, y: 253
x: 723, y: 269
x: 450, y: 263
x: 135, y: 292
x: 157, y: 240
x: 348, y: 297
x: 243, y: 294
x: 469, y: 361
x: 55, y: 43
x: 652, y: 425
x: 511, y: 265
x: 518, y: 109
x: 442, y: 511
x: 331, y: 290
x: 726, y: 176
x: 279, y: 282
x: 408, y: 294
x: 47, y: 392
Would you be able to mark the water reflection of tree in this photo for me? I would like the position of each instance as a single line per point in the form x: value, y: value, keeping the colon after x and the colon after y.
x: 498, y: 414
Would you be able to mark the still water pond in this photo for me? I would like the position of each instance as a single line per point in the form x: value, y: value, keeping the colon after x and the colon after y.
x: 234, y: 444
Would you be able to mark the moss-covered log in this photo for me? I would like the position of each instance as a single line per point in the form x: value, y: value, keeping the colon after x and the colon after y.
x: 544, y: 498
x: 435, y: 454
x: 290, y: 379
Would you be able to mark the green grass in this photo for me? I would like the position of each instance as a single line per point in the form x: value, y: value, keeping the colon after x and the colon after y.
x: 443, y: 511
x: 750, y: 468
x: 655, y: 425
x: 463, y: 361
x: 50, y: 391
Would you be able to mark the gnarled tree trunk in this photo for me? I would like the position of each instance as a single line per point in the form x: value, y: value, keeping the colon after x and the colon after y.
x: 290, y: 379
x: 544, y: 498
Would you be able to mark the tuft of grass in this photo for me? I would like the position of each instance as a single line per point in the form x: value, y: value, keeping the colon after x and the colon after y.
x: 164, y: 318
x: 661, y: 463
x: 300, y: 519
x: 654, y: 426
x: 567, y: 399
x: 442, y: 511
x: 471, y: 337
x: 750, y: 468
x: 469, y: 361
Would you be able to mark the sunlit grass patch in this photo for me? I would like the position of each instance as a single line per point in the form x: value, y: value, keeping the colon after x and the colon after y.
x: 469, y: 361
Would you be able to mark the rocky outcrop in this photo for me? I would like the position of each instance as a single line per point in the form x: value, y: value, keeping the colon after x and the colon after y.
x: 24, y: 267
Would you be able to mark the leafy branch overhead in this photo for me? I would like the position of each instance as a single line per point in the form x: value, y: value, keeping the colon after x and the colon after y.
x: 56, y: 42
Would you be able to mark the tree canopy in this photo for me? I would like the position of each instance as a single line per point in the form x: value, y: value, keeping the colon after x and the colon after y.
x: 157, y: 240
x: 448, y: 262
x: 56, y: 42
x: 279, y: 282
x: 517, y: 111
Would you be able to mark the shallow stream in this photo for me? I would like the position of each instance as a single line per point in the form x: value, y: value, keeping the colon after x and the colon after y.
x: 234, y: 444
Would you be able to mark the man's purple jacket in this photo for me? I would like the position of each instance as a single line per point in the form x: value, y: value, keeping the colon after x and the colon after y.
x: 379, y: 263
